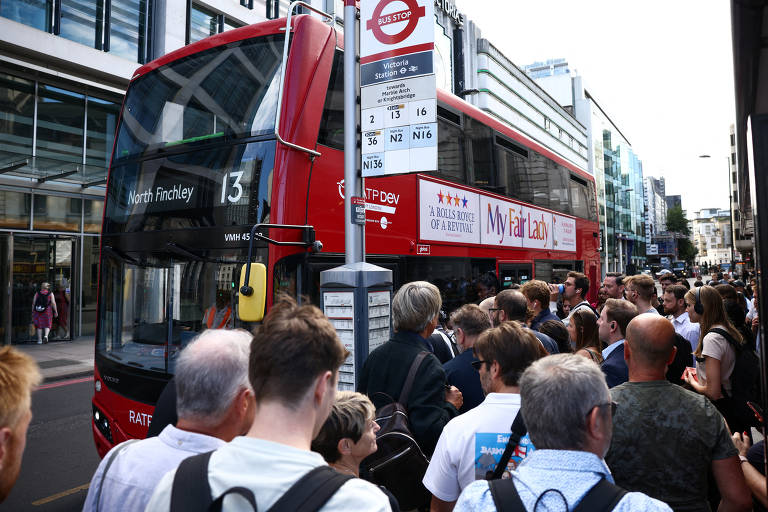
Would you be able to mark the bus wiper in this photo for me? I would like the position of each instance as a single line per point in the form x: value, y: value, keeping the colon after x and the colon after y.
x: 181, y: 251
x: 119, y: 255
x: 134, y: 363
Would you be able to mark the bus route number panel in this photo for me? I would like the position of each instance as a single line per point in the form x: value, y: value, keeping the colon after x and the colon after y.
x: 398, y: 93
x: 400, y: 136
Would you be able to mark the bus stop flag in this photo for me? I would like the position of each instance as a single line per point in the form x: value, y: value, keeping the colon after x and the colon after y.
x: 397, y: 87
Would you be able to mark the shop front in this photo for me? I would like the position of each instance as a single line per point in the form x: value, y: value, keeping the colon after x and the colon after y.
x: 54, y: 242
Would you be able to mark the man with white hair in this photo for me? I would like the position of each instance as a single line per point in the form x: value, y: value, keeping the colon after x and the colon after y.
x: 568, y: 412
x: 215, y: 404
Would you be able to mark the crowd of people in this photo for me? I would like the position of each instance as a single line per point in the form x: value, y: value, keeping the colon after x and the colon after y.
x: 533, y: 399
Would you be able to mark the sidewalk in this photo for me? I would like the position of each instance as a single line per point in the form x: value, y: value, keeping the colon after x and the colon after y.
x: 62, y: 359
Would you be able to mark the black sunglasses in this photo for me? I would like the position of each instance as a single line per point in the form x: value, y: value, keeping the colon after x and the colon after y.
x: 477, y: 364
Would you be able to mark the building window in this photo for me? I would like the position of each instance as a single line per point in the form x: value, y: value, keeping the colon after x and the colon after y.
x: 14, y: 209
x: 128, y: 22
x: 101, y: 121
x: 93, y: 210
x: 60, y: 124
x: 34, y: 13
x: 54, y: 213
x: 273, y: 9
x: 116, y: 26
x: 74, y: 132
x: 17, y: 113
x: 78, y: 20
x: 203, y: 22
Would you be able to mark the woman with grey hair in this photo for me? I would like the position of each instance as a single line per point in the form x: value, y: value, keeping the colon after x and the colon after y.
x: 431, y: 402
x: 349, y: 435
x: 43, y: 312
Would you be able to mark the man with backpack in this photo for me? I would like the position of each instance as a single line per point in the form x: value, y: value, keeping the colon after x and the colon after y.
x: 214, y: 404
x: 293, y: 371
x: 568, y: 412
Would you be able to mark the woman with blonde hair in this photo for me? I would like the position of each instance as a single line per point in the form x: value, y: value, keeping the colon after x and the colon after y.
x: 715, y: 355
x: 583, y: 332
x: 349, y: 435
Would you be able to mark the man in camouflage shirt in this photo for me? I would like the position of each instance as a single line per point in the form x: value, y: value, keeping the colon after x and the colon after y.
x: 665, y: 438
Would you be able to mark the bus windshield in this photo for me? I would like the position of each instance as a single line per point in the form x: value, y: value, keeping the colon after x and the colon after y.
x: 155, y: 307
x: 225, y: 92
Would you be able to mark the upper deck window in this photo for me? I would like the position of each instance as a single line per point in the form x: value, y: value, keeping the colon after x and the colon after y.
x: 227, y: 91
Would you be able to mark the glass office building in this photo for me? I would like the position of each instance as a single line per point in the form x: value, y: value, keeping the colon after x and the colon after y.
x: 63, y: 72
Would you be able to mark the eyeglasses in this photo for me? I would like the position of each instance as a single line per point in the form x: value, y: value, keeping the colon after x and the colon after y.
x: 613, y: 405
x: 477, y: 364
x: 494, y: 309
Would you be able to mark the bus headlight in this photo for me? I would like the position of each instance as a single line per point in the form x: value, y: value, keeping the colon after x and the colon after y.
x: 102, y: 424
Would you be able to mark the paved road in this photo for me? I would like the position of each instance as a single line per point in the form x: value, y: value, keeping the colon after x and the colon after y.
x: 60, y: 457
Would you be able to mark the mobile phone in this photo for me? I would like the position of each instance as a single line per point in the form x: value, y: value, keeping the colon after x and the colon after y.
x: 757, y: 410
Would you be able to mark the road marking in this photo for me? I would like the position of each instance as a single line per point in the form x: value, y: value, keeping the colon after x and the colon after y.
x: 61, y: 495
x: 64, y: 383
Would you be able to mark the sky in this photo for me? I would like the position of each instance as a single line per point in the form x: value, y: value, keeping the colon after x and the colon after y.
x: 661, y: 70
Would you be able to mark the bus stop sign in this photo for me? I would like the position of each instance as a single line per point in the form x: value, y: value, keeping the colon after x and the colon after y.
x: 398, y: 97
x: 412, y: 15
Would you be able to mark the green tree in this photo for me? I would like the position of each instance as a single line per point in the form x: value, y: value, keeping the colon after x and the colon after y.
x: 685, y: 250
x: 678, y: 223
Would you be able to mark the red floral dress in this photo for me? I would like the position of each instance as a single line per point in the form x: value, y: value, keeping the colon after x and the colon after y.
x: 43, y: 319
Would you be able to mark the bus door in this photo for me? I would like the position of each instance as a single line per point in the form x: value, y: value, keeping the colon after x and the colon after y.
x: 514, y: 273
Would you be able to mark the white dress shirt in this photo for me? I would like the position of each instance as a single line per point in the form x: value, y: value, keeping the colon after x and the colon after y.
x: 138, y: 468
x: 687, y: 329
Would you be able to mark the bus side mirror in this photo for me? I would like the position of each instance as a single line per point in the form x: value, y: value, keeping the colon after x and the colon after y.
x: 253, y: 294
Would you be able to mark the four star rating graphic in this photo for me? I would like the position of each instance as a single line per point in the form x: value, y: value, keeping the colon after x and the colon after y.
x: 455, y: 199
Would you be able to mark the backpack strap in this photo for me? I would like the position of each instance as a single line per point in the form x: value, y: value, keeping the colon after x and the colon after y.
x: 604, y: 496
x: 112, y: 458
x: 191, y: 490
x: 518, y: 431
x: 725, y: 334
x: 246, y: 494
x: 403, y: 399
x: 505, y: 496
x: 311, y: 491
x: 587, y: 304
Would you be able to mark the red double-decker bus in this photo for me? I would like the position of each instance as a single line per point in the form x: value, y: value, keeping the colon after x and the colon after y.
x: 197, y: 163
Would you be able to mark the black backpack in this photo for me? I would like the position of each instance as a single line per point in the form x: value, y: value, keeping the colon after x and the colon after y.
x: 41, y: 302
x: 191, y: 490
x: 399, y: 464
x: 603, y: 497
x: 745, y: 378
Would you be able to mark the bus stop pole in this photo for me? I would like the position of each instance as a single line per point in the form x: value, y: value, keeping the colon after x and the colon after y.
x: 353, y: 233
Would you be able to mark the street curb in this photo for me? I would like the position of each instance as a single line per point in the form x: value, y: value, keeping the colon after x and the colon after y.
x: 73, y: 375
